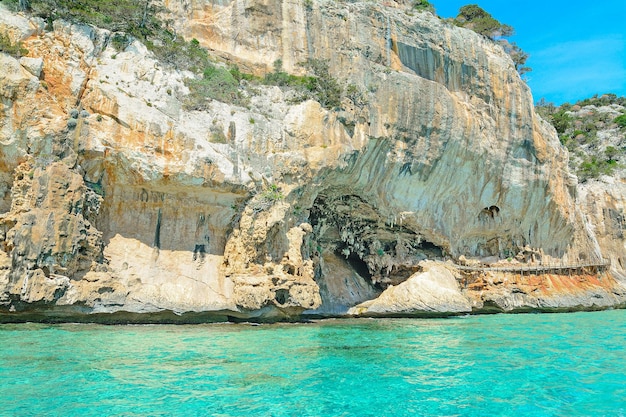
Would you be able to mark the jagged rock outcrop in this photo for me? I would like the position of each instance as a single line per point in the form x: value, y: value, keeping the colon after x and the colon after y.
x: 136, y: 204
x: 261, y: 270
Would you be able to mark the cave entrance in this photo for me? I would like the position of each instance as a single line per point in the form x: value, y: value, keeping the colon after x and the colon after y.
x: 281, y: 296
x: 380, y: 251
x: 491, y: 212
x: 431, y: 250
x: 356, y: 263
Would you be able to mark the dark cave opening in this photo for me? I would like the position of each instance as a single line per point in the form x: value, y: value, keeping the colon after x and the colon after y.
x: 358, y: 264
x: 431, y: 249
x: 281, y: 296
x: 199, y: 251
x: 380, y: 252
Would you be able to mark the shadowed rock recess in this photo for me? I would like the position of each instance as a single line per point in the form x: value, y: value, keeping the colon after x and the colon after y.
x: 119, y: 205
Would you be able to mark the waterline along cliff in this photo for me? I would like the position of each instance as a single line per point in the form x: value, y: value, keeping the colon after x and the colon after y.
x: 426, y: 185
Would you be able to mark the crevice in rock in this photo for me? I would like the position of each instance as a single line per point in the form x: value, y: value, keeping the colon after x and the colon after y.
x: 157, y: 232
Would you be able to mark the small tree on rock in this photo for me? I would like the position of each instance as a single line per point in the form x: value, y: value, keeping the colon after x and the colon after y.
x: 477, y: 19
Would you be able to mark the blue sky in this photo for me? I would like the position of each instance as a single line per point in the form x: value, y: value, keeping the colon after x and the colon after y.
x: 577, y: 49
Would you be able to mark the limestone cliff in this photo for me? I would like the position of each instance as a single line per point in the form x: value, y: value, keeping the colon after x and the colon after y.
x: 114, y: 198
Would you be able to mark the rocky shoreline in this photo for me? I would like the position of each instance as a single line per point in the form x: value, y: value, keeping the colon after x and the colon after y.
x: 121, y: 202
x: 434, y: 292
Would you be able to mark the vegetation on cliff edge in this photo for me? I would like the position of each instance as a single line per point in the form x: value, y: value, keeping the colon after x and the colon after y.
x: 423, y: 5
x: 594, y: 132
x: 144, y: 20
x: 477, y: 19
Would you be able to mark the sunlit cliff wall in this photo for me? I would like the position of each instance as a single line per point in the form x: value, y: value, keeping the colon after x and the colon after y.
x: 144, y: 207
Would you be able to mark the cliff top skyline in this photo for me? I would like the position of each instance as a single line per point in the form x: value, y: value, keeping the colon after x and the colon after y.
x: 575, y: 51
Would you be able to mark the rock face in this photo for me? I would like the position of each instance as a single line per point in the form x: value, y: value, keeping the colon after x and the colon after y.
x: 113, y: 198
x: 435, y: 290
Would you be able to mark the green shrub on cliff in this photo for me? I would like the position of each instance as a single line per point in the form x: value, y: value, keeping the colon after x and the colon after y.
x: 587, y: 129
x: 561, y: 120
x: 267, y: 198
x: 135, y: 17
x: 594, y: 166
x: 423, y: 5
x: 12, y: 4
x: 325, y: 87
x: 603, y: 100
x: 322, y: 86
x: 120, y: 41
x: 217, y: 83
x: 284, y: 79
x: 174, y: 51
x: 140, y: 19
x: 14, y: 49
x: 23, y: 5
x: 477, y: 19
x: 238, y: 75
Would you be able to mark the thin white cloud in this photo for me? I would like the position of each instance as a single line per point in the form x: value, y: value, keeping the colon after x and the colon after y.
x: 610, y: 45
x: 576, y: 69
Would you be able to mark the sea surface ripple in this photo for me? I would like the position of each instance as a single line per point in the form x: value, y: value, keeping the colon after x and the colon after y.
x: 501, y: 365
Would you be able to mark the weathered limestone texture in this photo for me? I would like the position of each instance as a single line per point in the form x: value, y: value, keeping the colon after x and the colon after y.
x: 434, y: 290
x: 115, y: 199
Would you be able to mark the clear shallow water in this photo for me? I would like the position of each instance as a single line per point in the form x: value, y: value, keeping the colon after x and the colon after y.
x: 509, y: 365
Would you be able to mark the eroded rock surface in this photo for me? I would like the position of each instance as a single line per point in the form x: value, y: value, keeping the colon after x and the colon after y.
x: 114, y: 198
x: 435, y: 290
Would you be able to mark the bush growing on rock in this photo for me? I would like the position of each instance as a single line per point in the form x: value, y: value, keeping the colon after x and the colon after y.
x: 267, y: 198
x: 561, y: 121
x: 282, y: 79
x: 322, y: 86
x: 239, y: 76
x: 602, y: 100
x: 326, y: 88
x: 135, y: 17
x: 120, y: 41
x: 217, y: 83
x: 128, y: 18
x: 180, y: 54
x: 141, y: 19
x: 477, y: 19
x: 15, y: 49
x: 586, y: 129
x: 423, y: 5
x: 593, y: 167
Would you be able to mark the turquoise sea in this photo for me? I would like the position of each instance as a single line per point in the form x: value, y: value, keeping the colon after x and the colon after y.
x: 500, y: 365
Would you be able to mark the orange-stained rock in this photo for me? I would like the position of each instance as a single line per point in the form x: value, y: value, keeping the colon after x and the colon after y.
x: 114, y: 197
